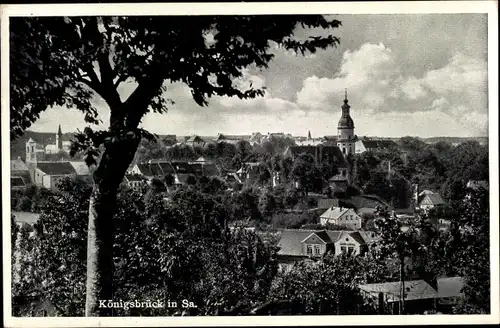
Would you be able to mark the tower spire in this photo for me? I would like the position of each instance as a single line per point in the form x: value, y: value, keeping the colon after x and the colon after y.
x: 59, y: 132
x: 345, y: 99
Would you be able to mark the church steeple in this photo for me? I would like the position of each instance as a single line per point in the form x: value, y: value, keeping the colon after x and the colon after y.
x: 59, y: 138
x: 345, y: 129
x: 309, y: 135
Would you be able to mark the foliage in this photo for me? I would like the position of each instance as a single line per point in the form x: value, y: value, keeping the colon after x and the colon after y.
x: 305, y: 172
x: 325, y: 287
x: 292, y: 220
x: 155, y: 244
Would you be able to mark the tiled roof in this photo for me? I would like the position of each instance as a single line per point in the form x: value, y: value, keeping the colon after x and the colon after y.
x: 18, y: 165
x: 56, y: 168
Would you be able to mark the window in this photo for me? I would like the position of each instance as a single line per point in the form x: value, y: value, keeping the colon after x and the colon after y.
x: 343, y: 150
x: 343, y: 249
x: 350, y: 250
x: 309, y: 249
x: 317, y: 250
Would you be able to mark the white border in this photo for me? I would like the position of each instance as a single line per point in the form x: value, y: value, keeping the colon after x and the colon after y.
x: 490, y: 7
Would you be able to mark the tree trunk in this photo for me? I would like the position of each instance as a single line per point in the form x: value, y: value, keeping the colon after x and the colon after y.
x: 109, y: 174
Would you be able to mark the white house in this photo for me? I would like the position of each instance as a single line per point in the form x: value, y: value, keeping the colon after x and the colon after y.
x: 341, y: 216
x: 49, y: 174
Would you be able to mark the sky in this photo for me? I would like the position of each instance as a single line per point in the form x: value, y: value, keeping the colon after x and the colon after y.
x: 419, y: 75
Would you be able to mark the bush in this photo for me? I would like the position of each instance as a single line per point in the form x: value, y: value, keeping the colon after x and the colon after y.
x: 25, y: 204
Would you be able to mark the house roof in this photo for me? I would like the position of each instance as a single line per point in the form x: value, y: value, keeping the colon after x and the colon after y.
x: 17, y: 182
x: 417, y: 289
x: 369, y: 237
x: 378, y: 144
x: 475, y: 184
x: 210, y: 169
x: 182, y: 168
x: 195, y: 139
x: 425, y: 192
x: 81, y: 168
x: 450, y: 286
x: 26, y: 217
x: 414, y: 290
x: 166, y: 168
x: 133, y: 178
x: 325, y: 151
x: 145, y: 169
x: 327, y: 202
x: 434, y: 199
x: 334, y: 212
x: 18, y: 165
x: 291, y: 240
x: 56, y: 168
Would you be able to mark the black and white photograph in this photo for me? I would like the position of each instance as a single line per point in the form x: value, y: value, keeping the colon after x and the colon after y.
x: 238, y: 162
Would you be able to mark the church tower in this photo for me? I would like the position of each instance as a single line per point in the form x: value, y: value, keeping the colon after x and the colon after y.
x: 59, y: 139
x: 345, y: 130
x: 31, y: 159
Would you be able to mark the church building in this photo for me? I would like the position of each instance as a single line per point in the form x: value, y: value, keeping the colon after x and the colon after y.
x: 336, y: 152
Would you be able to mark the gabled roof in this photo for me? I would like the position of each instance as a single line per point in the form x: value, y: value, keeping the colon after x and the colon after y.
x: 155, y: 169
x: 334, y: 212
x: 56, y: 168
x: 358, y: 237
x: 433, y: 199
x: 291, y: 240
x: 18, y: 165
x: 322, y: 235
x: 195, y: 139
x: 425, y: 192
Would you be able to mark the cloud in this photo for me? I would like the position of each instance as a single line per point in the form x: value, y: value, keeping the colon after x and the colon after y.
x: 377, y: 84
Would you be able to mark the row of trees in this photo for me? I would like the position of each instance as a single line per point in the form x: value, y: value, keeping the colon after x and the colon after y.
x: 439, y: 167
x: 235, y: 271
